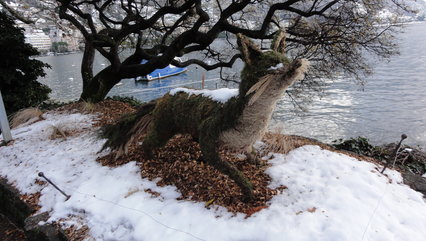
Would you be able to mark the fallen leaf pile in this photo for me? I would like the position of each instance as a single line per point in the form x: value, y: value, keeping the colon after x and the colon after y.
x: 180, y: 163
x: 32, y: 200
x: 76, y: 232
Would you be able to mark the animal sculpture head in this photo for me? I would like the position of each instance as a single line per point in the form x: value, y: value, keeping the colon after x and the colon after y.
x: 258, y: 63
x: 270, y: 67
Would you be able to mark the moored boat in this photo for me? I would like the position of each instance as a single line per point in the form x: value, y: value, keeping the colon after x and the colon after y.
x: 168, y: 71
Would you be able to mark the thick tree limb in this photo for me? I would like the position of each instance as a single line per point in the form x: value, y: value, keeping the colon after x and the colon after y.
x: 15, y: 13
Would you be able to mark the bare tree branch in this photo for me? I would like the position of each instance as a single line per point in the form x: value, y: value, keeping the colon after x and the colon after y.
x: 15, y: 13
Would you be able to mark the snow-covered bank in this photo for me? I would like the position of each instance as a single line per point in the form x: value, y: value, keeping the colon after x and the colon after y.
x: 329, y: 197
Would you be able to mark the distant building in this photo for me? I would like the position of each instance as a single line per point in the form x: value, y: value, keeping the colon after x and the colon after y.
x: 39, y: 40
x: 71, y: 37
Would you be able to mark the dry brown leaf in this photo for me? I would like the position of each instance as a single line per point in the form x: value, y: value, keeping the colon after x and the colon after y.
x: 312, y: 209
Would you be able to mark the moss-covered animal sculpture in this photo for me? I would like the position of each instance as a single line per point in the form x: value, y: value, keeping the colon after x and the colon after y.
x: 236, y: 124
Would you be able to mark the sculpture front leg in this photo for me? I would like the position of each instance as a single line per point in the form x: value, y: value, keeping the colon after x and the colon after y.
x: 211, y: 156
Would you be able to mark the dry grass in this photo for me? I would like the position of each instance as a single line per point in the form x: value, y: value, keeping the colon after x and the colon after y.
x: 29, y: 116
x: 88, y: 107
x: 276, y: 141
x: 280, y: 143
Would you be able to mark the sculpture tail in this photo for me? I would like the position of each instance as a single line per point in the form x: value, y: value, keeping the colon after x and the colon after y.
x: 120, y: 135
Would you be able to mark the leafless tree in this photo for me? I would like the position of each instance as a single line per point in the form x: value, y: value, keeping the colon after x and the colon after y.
x: 333, y: 34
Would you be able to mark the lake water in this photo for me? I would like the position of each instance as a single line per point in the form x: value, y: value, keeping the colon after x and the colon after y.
x: 64, y: 79
x: 393, y: 100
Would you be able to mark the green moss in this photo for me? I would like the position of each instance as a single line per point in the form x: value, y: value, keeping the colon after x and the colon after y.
x: 172, y: 111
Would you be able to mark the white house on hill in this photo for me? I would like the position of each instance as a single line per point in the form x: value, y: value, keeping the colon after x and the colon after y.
x: 39, y: 40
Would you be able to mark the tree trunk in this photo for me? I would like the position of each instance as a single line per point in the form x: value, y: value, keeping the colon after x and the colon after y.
x: 98, y: 87
x: 87, y: 63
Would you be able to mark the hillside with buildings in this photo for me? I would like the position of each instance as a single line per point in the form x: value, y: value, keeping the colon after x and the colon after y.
x: 50, y: 34
x: 50, y: 38
x: 47, y: 33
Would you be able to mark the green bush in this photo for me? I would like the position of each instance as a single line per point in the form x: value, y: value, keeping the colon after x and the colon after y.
x: 18, y: 71
x: 59, y: 47
x: 359, y: 145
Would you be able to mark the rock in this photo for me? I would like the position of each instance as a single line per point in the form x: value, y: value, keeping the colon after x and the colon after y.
x: 416, y: 182
x: 49, y: 231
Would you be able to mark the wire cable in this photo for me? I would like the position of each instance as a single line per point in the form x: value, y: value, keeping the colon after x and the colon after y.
x: 142, y: 212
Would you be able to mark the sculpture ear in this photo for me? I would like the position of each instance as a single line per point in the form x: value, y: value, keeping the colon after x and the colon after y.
x: 248, y: 49
x: 278, y: 43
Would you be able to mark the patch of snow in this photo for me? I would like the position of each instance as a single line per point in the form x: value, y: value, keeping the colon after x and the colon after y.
x: 330, y: 196
x: 408, y: 150
x: 386, y: 14
x: 221, y: 95
x: 278, y: 66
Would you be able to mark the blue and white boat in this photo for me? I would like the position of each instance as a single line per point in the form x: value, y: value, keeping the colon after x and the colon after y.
x: 168, y: 71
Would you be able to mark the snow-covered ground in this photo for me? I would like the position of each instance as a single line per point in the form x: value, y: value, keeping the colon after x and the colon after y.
x: 330, y: 196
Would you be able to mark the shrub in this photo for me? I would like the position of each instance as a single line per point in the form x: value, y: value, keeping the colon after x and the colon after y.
x: 361, y: 146
x: 18, y: 71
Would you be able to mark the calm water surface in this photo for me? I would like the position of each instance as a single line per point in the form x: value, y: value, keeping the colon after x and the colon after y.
x: 393, y: 100
x: 64, y: 79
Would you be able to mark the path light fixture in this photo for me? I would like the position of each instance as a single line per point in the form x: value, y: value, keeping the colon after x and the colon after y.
x: 395, y: 153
